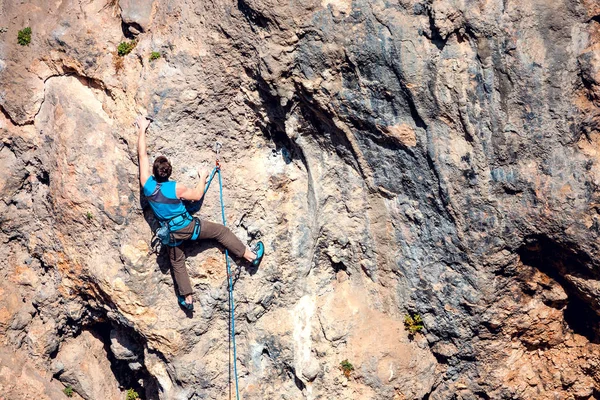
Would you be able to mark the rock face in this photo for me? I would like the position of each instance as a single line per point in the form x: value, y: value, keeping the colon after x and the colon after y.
x: 85, y: 367
x: 18, y: 380
x: 431, y: 157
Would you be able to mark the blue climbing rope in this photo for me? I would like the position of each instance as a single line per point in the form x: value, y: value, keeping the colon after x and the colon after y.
x: 212, y: 175
x: 231, y: 302
x: 217, y: 170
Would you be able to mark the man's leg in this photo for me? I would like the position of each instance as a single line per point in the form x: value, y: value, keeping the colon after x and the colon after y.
x: 177, y: 258
x: 182, y: 279
x: 210, y: 230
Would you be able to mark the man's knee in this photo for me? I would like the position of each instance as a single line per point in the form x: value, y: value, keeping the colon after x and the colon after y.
x: 211, y: 230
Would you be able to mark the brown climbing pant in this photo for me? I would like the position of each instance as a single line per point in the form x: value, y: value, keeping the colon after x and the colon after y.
x: 208, y: 230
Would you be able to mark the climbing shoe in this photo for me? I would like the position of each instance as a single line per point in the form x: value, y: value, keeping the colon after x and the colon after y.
x: 259, y: 250
x: 182, y: 303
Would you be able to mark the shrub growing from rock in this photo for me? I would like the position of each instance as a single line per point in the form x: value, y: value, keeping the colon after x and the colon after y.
x: 346, y: 368
x: 68, y: 391
x: 413, y: 323
x: 125, y: 48
x: 24, y: 36
x: 132, y: 395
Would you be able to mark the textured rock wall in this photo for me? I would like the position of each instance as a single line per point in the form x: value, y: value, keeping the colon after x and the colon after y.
x: 430, y: 157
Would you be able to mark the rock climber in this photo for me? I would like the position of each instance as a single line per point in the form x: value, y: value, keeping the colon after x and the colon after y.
x: 165, y: 198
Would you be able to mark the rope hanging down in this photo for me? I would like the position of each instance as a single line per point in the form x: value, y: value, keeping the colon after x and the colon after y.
x: 217, y: 170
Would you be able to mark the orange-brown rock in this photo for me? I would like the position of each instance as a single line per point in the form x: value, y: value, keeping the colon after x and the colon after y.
x: 437, y: 158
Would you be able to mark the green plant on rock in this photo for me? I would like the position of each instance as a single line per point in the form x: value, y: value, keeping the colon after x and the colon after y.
x: 346, y: 368
x: 68, y: 391
x: 413, y: 323
x: 24, y: 36
x: 125, y: 48
x: 132, y: 395
x: 155, y: 55
x: 89, y: 215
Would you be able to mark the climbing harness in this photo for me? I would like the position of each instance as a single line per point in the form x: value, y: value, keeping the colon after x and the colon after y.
x: 165, y: 232
x: 167, y: 227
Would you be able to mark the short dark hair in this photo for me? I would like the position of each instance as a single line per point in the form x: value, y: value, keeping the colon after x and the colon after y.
x: 161, y: 169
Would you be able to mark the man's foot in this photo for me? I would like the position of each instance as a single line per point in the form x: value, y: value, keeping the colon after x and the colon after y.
x: 259, y: 250
x: 186, y: 302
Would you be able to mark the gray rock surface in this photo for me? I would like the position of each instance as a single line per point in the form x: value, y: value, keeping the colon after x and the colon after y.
x: 431, y: 157
x: 123, y: 347
x: 136, y: 12
x: 86, y: 368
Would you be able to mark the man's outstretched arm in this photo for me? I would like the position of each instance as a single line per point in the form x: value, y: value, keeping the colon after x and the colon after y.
x: 142, y: 124
x: 196, y: 193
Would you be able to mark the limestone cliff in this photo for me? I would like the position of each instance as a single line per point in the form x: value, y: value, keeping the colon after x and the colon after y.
x: 435, y: 157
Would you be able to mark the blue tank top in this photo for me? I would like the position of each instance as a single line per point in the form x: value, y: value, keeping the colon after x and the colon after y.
x: 164, y: 202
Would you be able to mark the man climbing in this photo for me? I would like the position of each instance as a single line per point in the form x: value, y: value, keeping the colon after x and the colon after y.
x: 165, y: 198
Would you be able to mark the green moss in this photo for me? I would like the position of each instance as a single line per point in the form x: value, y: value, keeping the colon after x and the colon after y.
x: 125, y: 48
x: 89, y: 215
x: 154, y: 55
x: 24, y: 37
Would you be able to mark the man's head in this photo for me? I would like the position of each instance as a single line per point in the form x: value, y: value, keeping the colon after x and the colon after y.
x: 161, y: 169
